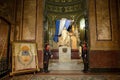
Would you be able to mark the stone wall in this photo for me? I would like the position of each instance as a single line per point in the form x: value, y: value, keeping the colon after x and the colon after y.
x: 104, y: 34
x: 7, y: 21
x: 29, y: 23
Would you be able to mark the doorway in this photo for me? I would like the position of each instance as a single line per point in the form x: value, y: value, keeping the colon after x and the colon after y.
x: 4, y: 46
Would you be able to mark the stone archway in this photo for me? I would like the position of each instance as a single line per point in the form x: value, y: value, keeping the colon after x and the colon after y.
x: 70, y: 9
x: 4, y: 46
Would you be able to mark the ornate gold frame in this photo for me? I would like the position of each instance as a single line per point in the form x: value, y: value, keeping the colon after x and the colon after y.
x: 24, y: 57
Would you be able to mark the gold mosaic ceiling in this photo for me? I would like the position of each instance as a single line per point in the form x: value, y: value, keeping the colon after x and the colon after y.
x: 65, y: 6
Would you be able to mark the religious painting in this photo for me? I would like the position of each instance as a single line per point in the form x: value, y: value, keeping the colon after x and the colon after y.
x: 24, y: 57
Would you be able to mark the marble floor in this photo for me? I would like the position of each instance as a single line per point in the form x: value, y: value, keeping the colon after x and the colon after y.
x: 74, y: 64
x: 67, y: 75
x: 65, y: 71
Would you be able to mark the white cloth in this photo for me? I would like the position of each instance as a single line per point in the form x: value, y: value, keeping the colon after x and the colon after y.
x: 62, y: 25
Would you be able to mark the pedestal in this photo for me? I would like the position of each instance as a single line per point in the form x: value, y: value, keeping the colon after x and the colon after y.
x: 64, y: 54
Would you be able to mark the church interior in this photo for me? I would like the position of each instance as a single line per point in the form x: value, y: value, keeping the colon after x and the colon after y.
x: 27, y: 25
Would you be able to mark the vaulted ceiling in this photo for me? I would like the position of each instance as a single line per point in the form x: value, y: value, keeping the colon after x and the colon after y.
x: 71, y: 9
x: 65, y: 6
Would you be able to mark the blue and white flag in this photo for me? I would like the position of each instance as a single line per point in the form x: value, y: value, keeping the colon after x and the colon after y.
x: 57, y: 24
x: 67, y: 23
x: 60, y: 24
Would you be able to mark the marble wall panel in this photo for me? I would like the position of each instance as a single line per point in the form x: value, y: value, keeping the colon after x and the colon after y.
x: 104, y: 59
x: 29, y: 20
x: 103, y: 25
x: 104, y: 49
x: 103, y: 19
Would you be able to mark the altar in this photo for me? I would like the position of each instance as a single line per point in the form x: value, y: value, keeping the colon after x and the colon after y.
x: 64, y: 54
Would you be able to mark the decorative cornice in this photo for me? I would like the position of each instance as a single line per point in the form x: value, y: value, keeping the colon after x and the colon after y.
x: 63, y: 1
x: 60, y: 3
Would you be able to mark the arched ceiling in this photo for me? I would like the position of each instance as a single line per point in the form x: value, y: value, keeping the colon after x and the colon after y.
x: 65, y: 6
x: 70, y: 9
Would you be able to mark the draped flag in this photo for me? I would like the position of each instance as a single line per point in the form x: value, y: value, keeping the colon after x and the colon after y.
x: 62, y: 24
x: 67, y: 23
x: 57, y: 24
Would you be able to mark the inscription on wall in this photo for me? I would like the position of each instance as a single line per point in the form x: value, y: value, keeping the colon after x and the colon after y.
x: 29, y: 20
x: 103, y: 20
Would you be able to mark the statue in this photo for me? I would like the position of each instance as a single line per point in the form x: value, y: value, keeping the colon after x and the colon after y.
x: 64, y: 40
x: 73, y: 41
x: 64, y: 46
